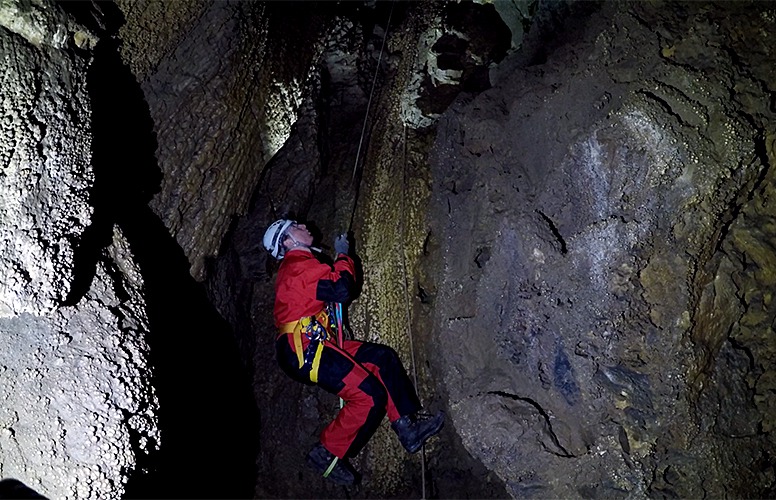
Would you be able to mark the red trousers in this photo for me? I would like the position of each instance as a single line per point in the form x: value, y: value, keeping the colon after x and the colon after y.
x: 369, y: 377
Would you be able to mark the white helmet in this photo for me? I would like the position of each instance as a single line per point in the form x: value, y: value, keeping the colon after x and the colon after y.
x: 273, y: 237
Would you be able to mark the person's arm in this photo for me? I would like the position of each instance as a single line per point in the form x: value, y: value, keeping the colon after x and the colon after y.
x: 338, y: 285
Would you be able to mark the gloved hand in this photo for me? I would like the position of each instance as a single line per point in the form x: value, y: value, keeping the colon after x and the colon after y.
x: 341, y: 244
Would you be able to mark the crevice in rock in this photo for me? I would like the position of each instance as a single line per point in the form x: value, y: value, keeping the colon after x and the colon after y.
x: 545, y: 416
x: 125, y: 171
x: 663, y: 104
x: 555, y: 232
x: 761, y: 152
x: 736, y: 205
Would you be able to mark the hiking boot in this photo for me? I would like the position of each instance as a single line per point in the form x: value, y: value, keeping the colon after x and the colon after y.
x: 342, y: 473
x: 413, y: 431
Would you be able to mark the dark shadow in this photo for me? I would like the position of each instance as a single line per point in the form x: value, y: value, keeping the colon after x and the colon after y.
x: 15, y: 489
x: 207, y: 416
x: 553, y: 25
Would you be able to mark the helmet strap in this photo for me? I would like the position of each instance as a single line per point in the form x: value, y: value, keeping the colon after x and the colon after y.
x: 297, y: 243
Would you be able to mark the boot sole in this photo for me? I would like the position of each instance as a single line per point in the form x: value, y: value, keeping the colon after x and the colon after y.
x: 431, y: 433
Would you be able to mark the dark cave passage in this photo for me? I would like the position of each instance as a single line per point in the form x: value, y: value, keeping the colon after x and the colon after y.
x: 207, y: 417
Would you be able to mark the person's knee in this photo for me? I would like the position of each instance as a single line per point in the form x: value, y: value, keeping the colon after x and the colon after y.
x: 385, y: 356
x: 389, y: 352
x: 375, y: 391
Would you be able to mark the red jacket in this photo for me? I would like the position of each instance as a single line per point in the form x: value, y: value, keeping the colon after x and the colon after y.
x: 304, y: 285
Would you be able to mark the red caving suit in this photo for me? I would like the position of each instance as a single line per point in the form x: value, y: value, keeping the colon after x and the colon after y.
x: 369, y: 377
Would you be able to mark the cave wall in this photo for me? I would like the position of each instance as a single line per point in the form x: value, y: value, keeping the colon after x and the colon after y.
x: 223, y: 81
x: 644, y: 112
x: 575, y: 263
x: 589, y: 306
x: 317, y: 177
x: 44, y: 144
x: 77, y: 408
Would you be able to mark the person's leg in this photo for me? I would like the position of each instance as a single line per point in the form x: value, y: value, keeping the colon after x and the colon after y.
x: 365, y: 401
x: 386, y: 365
x: 340, y: 374
x: 367, y: 398
x: 412, y: 428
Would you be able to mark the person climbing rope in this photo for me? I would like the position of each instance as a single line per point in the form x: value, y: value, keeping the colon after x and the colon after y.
x: 368, y: 377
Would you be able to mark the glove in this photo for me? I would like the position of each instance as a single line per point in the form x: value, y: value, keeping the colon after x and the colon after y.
x: 341, y: 244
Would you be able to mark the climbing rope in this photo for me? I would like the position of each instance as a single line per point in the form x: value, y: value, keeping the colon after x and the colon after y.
x: 408, y: 308
x: 366, y: 117
x: 401, y: 229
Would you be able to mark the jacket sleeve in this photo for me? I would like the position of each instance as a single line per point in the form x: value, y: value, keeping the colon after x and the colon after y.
x: 339, y: 285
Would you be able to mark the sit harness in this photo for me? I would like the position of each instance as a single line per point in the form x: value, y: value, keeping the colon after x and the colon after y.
x: 317, y: 329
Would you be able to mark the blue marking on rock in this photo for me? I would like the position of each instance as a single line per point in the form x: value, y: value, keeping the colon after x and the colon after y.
x: 564, y: 377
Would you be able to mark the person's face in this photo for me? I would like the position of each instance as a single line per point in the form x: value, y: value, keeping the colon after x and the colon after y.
x: 299, y: 233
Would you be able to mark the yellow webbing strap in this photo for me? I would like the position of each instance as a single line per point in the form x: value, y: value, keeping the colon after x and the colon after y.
x: 295, y: 327
x: 316, y: 363
x: 287, y: 327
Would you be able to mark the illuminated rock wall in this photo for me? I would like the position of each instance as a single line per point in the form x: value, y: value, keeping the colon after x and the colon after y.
x: 77, y: 411
x: 601, y: 303
x: 563, y: 212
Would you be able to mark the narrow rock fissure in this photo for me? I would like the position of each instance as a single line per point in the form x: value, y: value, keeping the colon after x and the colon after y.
x: 545, y: 416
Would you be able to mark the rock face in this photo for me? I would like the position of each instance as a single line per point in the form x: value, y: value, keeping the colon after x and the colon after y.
x: 44, y: 153
x: 563, y: 213
x: 315, y: 177
x: 588, y: 302
x: 579, y: 213
x: 224, y: 82
x: 77, y: 410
